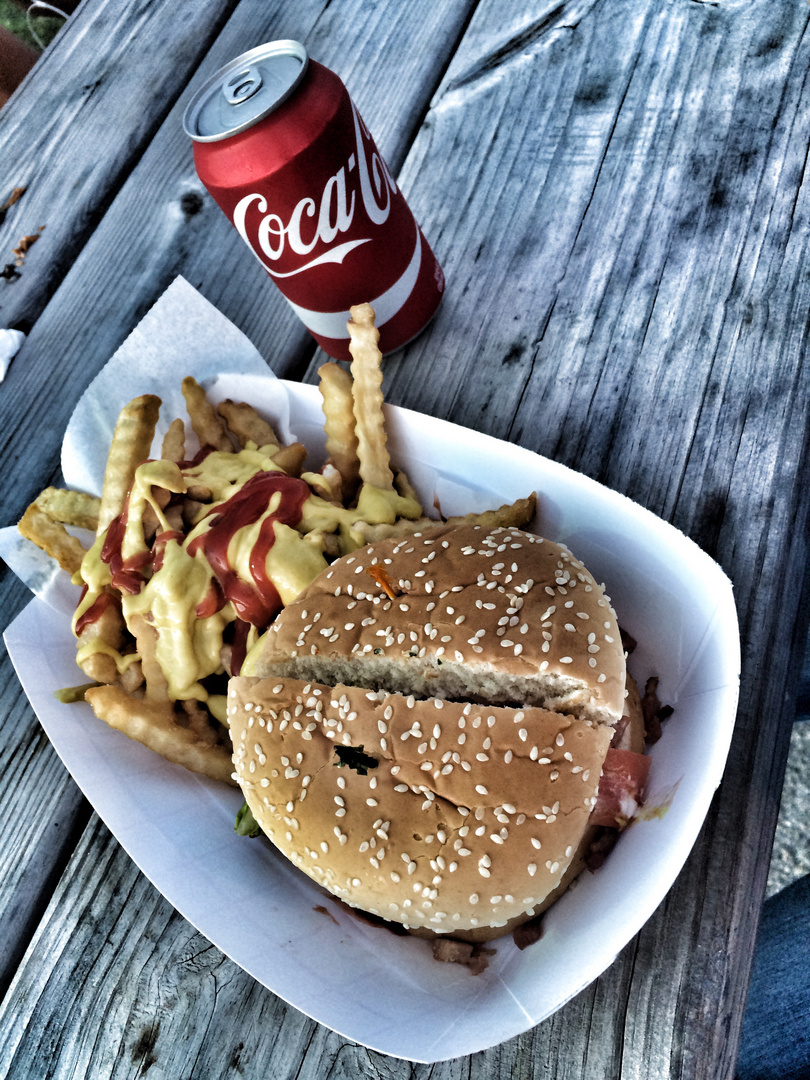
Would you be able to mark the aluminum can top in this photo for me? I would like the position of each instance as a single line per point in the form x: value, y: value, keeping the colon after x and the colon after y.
x: 244, y: 91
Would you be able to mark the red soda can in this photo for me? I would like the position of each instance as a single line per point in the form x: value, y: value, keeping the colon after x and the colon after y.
x: 282, y: 149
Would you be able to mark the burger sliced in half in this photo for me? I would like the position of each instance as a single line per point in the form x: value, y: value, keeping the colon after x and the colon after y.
x: 424, y: 731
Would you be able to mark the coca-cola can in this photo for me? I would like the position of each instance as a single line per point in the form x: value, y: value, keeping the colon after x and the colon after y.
x: 281, y: 147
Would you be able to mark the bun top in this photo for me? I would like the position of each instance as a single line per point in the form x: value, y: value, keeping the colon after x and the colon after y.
x: 468, y: 613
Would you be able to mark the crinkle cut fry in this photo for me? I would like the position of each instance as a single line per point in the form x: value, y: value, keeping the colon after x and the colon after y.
x: 208, y: 425
x: 131, y: 443
x: 511, y: 515
x: 339, y: 424
x: 157, y: 685
x: 154, y: 724
x: 246, y: 425
x: 70, y: 507
x: 51, y: 537
x: 174, y: 441
x: 372, y: 446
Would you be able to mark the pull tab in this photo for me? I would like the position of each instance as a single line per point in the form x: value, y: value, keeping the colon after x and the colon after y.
x: 242, y: 85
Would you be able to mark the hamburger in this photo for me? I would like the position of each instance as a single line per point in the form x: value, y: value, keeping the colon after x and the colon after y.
x: 424, y: 730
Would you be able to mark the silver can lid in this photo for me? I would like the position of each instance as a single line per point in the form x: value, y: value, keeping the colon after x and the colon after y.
x: 245, y: 90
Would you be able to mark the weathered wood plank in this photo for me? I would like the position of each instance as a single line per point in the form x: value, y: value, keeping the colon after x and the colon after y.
x: 112, y: 100
x: 649, y: 266
x: 41, y: 813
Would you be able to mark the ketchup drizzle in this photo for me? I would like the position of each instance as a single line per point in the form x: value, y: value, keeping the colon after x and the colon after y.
x: 94, y: 612
x: 254, y: 603
x: 239, y: 646
x: 126, y: 573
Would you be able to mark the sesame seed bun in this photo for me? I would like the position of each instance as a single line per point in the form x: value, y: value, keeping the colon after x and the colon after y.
x: 476, y: 614
x: 446, y: 817
x: 424, y: 730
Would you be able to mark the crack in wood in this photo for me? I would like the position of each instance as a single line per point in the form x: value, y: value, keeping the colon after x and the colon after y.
x: 565, y: 16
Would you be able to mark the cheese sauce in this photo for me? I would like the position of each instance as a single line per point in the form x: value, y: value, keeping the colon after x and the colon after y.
x: 255, y: 543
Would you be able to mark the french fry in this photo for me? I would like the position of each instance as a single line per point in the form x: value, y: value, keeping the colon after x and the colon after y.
x: 99, y: 667
x: 246, y: 424
x: 105, y: 633
x: 154, y: 724
x: 174, y: 441
x: 290, y: 458
x: 370, y: 534
x: 52, y: 537
x: 157, y: 685
x: 330, y: 482
x: 208, y: 425
x: 70, y: 507
x: 339, y: 424
x: 131, y: 443
x: 197, y: 719
x: 327, y: 483
x: 131, y: 678
x: 510, y: 515
x: 372, y: 452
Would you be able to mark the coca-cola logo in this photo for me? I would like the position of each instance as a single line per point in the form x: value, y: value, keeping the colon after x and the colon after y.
x: 324, y: 220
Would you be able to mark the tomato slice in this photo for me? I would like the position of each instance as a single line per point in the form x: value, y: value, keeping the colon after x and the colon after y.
x: 621, y: 788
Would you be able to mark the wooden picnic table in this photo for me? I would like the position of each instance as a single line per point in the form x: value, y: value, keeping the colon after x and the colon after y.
x: 617, y: 191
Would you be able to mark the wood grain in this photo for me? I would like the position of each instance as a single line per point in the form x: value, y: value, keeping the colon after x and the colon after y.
x: 112, y: 102
x: 40, y: 815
